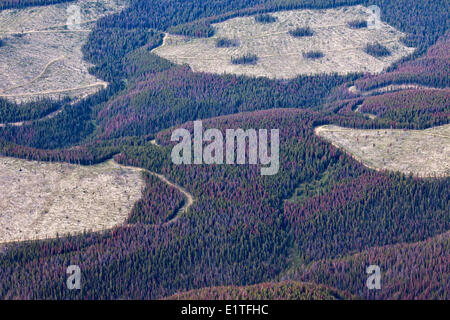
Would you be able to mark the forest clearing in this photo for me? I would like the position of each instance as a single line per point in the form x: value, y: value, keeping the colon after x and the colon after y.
x: 281, y: 55
x: 424, y: 153
x: 42, y: 57
x: 40, y: 199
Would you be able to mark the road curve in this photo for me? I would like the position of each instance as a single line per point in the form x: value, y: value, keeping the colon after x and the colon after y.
x: 189, y: 198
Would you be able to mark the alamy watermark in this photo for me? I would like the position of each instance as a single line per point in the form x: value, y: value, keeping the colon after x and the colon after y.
x: 74, y: 280
x: 374, y: 280
x: 374, y: 21
x: 239, y: 145
x: 74, y: 17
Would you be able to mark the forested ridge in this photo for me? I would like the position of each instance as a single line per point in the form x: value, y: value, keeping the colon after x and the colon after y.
x: 11, y: 112
x: 286, y: 290
x: 424, y: 266
x: 324, y: 212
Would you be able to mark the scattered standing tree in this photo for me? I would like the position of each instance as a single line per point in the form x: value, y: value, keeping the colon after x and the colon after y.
x: 301, y: 32
x: 377, y: 50
x: 227, y: 43
x: 245, y: 59
x: 313, y: 55
x: 265, y: 18
x: 357, y: 24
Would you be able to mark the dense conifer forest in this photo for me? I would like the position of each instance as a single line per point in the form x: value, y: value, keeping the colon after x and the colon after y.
x: 307, y: 232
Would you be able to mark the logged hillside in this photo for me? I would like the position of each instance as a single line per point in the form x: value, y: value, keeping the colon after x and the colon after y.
x: 44, y: 200
x: 325, y: 44
x: 422, y: 153
x: 40, y: 50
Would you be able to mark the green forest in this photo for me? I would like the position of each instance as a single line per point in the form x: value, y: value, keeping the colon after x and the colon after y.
x: 306, y: 233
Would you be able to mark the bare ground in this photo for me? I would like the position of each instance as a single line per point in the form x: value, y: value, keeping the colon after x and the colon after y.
x: 424, y: 153
x: 281, y: 55
x: 42, y: 57
x: 39, y: 200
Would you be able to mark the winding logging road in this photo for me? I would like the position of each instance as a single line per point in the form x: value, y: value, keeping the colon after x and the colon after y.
x: 189, y: 197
